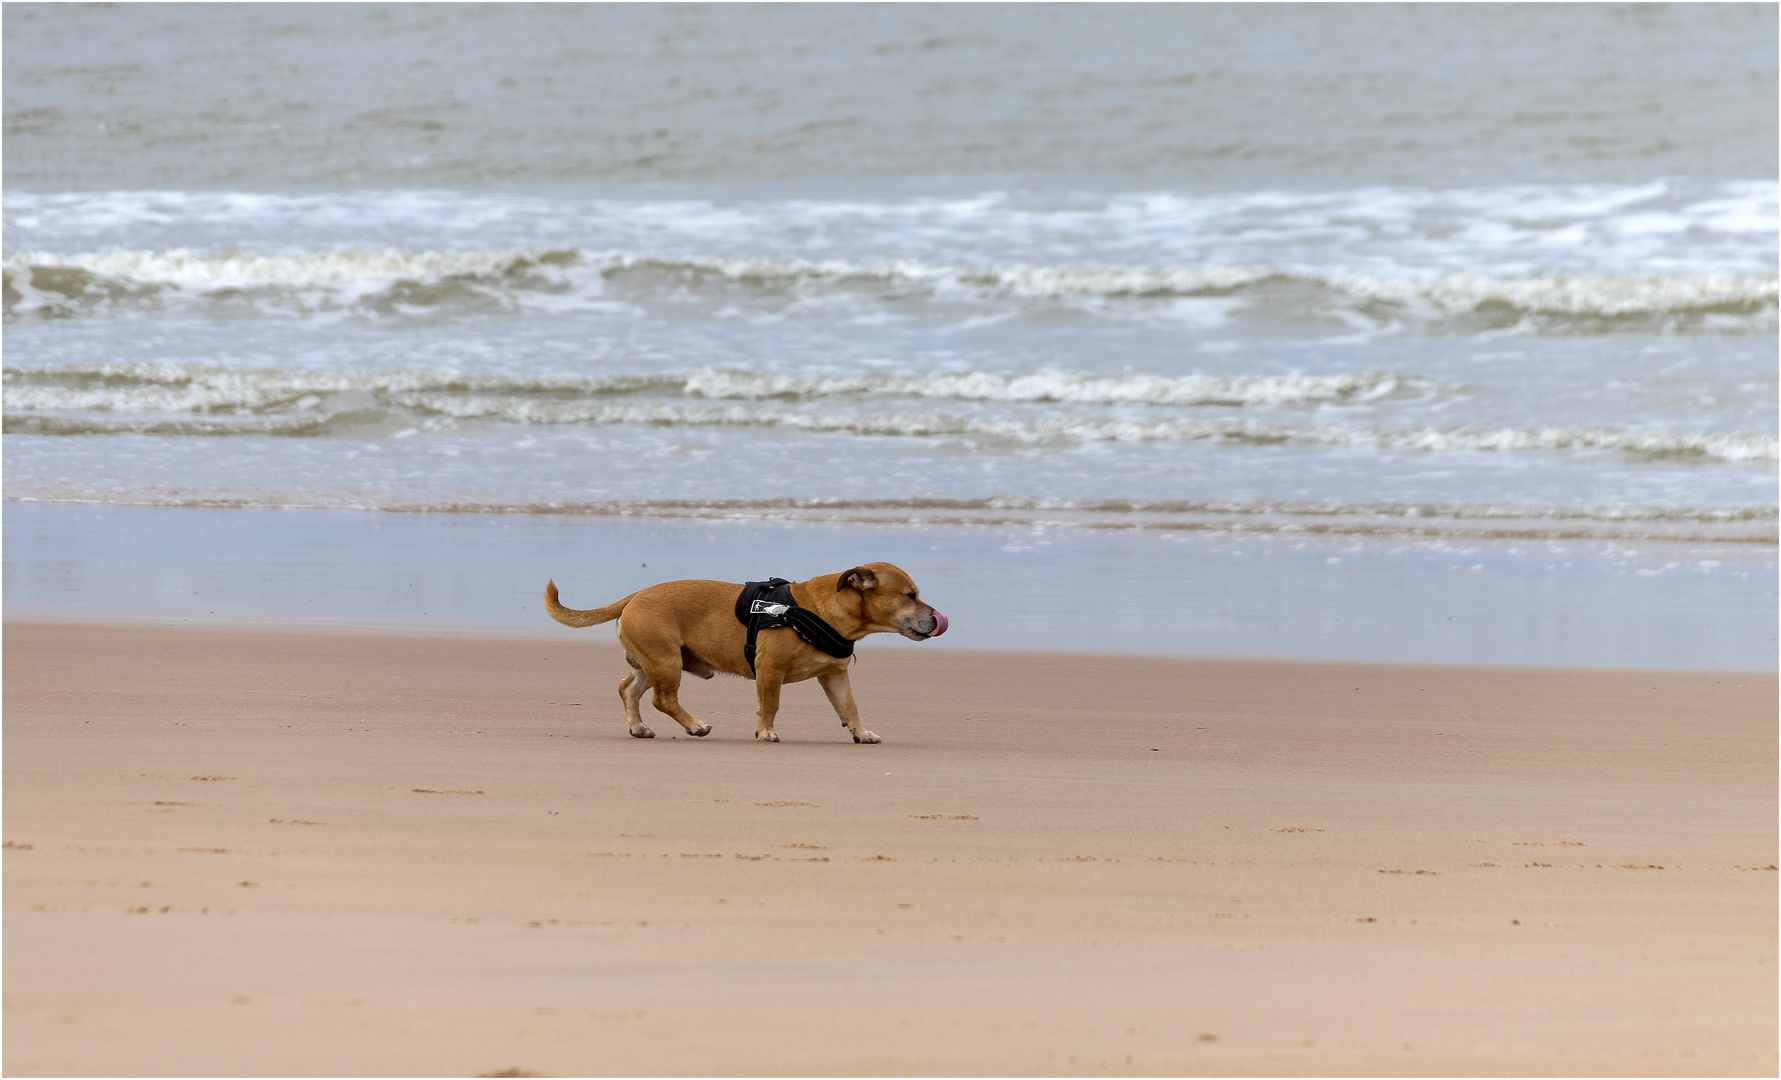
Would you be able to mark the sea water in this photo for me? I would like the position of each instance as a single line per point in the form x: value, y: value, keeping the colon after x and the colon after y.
x: 1376, y: 285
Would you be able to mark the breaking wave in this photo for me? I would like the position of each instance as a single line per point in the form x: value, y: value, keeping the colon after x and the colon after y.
x: 310, y: 416
x: 1048, y: 428
x: 198, y: 399
x: 203, y: 388
x: 136, y: 387
x: 374, y: 281
x: 46, y: 284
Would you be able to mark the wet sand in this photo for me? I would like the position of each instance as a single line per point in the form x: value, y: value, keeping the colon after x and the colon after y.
x: 237, y: 852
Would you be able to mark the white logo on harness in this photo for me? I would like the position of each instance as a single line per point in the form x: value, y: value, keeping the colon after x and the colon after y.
x: 762, y: 607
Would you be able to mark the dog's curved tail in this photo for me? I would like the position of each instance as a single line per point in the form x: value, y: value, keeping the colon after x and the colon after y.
x: 572, y: 617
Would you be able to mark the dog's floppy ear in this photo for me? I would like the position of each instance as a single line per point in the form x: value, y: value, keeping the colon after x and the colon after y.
x: 858, y: 578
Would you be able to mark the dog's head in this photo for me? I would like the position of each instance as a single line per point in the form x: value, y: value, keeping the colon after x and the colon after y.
x: 890, y: 602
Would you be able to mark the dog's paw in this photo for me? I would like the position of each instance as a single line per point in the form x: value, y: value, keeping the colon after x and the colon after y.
x: 864, y: 736
x: 642, y: 733
x: 699, y: 732
x: 766, y: 736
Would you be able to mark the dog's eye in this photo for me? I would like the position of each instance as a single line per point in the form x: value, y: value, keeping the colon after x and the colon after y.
x: 910, y: 595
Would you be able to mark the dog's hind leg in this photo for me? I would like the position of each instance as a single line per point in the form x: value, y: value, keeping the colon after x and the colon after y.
x: 840, y: 691
x: 630, y: 691
x: 666, y: 681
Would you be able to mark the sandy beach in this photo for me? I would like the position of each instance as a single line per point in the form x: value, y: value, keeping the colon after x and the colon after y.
x: 1415, y: 422
x: 261, y: 853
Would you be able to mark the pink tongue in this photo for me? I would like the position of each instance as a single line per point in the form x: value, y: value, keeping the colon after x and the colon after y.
x: 939, y: 625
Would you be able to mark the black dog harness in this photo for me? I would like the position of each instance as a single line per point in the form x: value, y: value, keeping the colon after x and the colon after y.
x: 765, y: 605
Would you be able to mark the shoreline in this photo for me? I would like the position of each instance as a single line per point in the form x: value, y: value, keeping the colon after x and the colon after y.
x: 1736, y: 525
x: 245, y: 852
x: 1623, y: 604
x: 553, y: 633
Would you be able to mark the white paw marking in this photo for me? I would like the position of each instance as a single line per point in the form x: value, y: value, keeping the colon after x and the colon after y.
x: 699, y: 732
x: 642, y: 733
x: 766, y: 736
x: 864, y: 736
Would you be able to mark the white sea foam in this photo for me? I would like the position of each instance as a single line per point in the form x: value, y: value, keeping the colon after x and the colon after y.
x: 100, y: 282
x: 349, y: 268
x: 1064, y: 387
x: 1600, y: 295
x: 1639, y: 230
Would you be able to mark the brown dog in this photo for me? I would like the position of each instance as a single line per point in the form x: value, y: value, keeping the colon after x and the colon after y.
x: 692, y: 626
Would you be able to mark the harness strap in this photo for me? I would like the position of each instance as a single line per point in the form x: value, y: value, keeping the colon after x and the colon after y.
x: 767, y: 605
x: 755, y: 607
x: 812, y: 628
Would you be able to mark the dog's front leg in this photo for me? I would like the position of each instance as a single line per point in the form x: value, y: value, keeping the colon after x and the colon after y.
x: 840, y: 691
x: 767, y: 682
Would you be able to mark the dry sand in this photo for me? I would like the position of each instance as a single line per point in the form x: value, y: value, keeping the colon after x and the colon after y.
x: 258, y: 853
